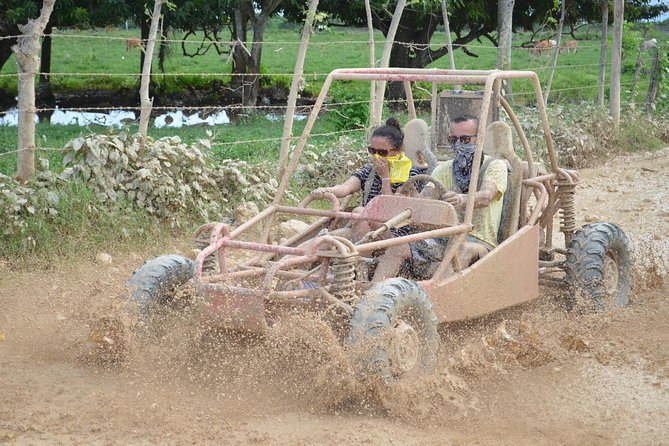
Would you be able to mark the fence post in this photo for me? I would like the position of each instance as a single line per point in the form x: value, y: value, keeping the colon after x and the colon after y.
x: 385, y: 60
x: 145, y: 101
x: 27, y: 51
x: 614, y: 101
x: 654, y: 82
x: 604, y: 5
x: 556, y: 53
x: 372, y: 63
x: 292, y: 96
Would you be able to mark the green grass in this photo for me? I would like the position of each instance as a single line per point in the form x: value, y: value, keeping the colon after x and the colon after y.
x: 104, y: 63
x: 255, y: 139
x: 81, y: 226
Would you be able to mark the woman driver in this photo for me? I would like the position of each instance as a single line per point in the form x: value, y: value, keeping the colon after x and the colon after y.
x: 391, y: 169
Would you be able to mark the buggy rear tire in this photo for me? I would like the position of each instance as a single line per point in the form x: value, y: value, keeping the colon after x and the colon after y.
x: 598, y: 267
x: 152, y: 285
x: 395, y: 329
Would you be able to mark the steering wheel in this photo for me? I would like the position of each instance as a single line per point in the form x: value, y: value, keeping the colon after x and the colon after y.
x: 409, y: 186
x: 327, y: 196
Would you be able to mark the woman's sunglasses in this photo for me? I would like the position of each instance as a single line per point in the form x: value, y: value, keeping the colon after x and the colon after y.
x: 380, y: 152
x: 465, y: 139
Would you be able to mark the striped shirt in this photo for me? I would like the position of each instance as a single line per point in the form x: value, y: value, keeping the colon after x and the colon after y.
x: 363, y: 175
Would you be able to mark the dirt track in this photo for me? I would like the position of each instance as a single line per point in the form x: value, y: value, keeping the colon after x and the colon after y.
x: 559, y: 379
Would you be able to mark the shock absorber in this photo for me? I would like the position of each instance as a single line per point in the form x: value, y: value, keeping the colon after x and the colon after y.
x: 202, y: 239
x: 343, y: 280
x: 566, y: 193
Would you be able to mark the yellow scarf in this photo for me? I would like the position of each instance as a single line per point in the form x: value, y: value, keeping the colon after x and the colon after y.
x: 400, y: 167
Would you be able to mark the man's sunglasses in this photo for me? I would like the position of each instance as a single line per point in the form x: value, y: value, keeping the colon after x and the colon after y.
x: 380, y: 152
x: 465, y: 139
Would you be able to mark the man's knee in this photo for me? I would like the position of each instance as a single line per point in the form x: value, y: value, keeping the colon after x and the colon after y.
x: 470, y: 252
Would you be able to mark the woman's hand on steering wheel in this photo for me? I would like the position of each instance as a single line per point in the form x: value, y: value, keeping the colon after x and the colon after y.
x: 409, y: 186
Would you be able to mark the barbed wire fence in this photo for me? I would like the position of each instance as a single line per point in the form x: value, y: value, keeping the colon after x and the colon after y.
x: 536, y: 62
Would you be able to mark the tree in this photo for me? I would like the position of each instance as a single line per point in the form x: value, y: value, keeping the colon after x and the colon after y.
x: 27, y: 51
x: 420, y: 19
x: 246, y: 55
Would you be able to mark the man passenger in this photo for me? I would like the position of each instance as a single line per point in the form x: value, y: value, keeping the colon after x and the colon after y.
x: 426, y: 255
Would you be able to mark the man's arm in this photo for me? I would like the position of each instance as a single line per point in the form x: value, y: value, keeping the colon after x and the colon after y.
x: 482, y: 198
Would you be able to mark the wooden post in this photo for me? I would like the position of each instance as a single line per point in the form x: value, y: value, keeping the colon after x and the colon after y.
x: 292, y: 96
x: 145, y: 102
x: 614, y: 105
x: 604, y: 5
x: 27, y: 50
x: 447, y: 28
x: 654, y: 82
x: 372, y: 63
x: 385, y: 60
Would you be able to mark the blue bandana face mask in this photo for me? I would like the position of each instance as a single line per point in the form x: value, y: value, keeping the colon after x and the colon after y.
x: 462, y: 164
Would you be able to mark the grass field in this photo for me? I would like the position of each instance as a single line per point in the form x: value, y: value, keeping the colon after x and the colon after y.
x: 84, y: 60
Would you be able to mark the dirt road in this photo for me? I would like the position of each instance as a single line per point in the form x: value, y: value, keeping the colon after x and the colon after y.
x: 529, y: 376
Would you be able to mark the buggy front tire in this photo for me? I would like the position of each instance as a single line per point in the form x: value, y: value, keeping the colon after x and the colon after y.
x: 598, y: 267
x: 394, y: 332
x: 153, y: 284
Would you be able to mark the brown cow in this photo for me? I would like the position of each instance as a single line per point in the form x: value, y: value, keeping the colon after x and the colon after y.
x: 570, y: 46
x: 133, y: 42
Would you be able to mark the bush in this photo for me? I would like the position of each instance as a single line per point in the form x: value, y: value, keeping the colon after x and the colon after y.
x: 331, y: 165
x: 352, y: 112
x: 109, y: 192
x: 584, y: 135
x: 170, y: 180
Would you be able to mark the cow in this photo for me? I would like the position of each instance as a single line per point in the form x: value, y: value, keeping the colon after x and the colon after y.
x: 133, y: 42
x: 570, y: 46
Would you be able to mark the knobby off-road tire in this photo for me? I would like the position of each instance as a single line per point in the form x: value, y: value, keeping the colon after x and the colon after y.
x: 152, y: 285
x: 395, y: 329
x: 598, y: 267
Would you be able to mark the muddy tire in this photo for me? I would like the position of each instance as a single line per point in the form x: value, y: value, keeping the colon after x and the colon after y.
x: 393, y: 332
x: 598, y: 268
x: 152, y: 285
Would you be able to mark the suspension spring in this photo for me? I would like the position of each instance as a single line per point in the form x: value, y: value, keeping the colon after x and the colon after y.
x: 566, y: 193
x: 210, y: 263
x: 343, y: 281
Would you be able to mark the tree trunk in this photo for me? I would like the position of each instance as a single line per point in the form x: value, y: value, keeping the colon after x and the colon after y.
x: 614, y: 106
x: 252, y: 78
x: 504, y: 30
x: 604, y: 5
x: 247, y: 63
x: 240, y: 54
x: 556, y: 52
x: 145, y: 101
x: 45, y: 98
x: 27, y: 57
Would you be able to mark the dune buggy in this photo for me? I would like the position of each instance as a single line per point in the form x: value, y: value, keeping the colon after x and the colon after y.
x: 393, y: 324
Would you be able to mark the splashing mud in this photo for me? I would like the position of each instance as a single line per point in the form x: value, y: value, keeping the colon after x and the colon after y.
x: 72, y: 372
